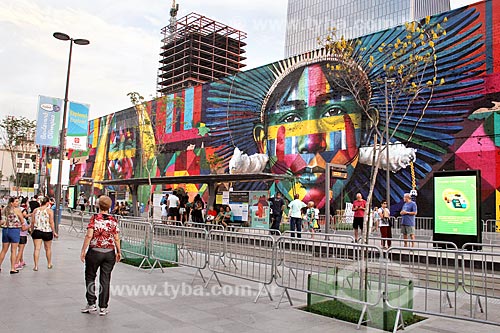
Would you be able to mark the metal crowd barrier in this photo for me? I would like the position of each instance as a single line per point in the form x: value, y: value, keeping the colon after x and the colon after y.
x: 320, y: 236
x: 423, y: 226
x: 185, y: 246
x: 434, y: 272
x: 251, y: 230
x: 135, y: 239
x: 481, y: 262
x: 206, y: 226
x: 250, y: 257
x: 491, y: 232
x: 418, y: 243
x: 338, y: 269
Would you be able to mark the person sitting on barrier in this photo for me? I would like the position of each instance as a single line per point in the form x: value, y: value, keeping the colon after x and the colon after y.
x: 312, y: 217
x: 384, y: 225
x: 100, y: 251
x: 219, y: 219
x: 228, y: 216
x: 211, y: 214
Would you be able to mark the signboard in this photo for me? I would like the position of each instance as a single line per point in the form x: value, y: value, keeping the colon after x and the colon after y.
x: 457, y: 206
x: 259, y: 209
x: 238, y: 201
x: 71, y: 197
x: 77, y: 133
x: 48, y: 121
x: 54, y: 170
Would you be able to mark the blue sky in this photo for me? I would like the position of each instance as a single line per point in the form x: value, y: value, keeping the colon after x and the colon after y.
x: 124, y: 46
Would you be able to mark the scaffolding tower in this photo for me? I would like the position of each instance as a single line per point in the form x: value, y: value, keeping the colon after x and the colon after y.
x: 198, y: 50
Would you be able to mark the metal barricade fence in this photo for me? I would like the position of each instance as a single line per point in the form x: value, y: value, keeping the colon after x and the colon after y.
x: 250, y: 257
x: 419, y: 243
x: 206, y: 226
x: 481, y: 281
x: 330, y: 269
x: 68, y: 220
x: 423, y: 226
x: 433, y: 271
x: 180, y: 245
x: 491, y: 231
x: 251, y: 230
x: 136, y: 239
x: 321, y: 236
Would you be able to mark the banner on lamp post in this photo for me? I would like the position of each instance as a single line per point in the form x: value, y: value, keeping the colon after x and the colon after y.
x: 48, y: 121
x: 54, y: 170
x: 77, y: 133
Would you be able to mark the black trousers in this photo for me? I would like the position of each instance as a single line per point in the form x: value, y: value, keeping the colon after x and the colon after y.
x: 104, y: 261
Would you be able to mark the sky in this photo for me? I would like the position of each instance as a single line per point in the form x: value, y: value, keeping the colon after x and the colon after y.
x: 123, y: 54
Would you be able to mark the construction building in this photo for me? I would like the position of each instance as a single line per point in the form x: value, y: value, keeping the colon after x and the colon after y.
x: 196, y: 50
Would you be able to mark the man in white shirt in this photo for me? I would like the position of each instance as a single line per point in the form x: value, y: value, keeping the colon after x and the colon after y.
x: 173, y: 203
x: 295, y: 215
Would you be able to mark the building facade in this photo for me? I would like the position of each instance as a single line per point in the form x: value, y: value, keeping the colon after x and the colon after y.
x: 293, y: 112
x: 308, y: 20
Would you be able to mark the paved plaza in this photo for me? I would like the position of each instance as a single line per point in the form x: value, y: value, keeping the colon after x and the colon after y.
x: 50, y: 300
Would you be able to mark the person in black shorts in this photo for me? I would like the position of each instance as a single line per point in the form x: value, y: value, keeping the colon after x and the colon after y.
x: 42, y: 230
x: 359, y: 208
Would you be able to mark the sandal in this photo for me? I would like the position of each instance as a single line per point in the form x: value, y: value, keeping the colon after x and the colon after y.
x: 35, y: 269
x: 50, y: 266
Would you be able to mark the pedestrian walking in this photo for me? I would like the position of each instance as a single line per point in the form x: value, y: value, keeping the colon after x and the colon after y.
x: 295, y: 215
x: 277, y: 207
x: 42, y: 230
x: 100, y: 251
x: 408, y: 213
x: 312, y: 217
x: 11, y: 232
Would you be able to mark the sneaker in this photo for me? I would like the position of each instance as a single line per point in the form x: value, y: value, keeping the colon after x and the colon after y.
x: 23, y: 263
x: 89, y: 308
x: 18, y: 266
x: 103, y: 311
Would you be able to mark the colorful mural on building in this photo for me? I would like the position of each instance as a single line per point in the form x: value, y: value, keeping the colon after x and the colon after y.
x: 292, y: 112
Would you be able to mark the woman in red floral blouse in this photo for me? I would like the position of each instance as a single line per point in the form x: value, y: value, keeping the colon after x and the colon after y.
x: 100, y: 250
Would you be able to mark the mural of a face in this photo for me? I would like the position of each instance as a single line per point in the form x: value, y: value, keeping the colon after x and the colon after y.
x: 311, y: 122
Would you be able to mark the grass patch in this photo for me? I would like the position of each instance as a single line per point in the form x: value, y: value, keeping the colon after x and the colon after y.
x: 137, y: 261
x: 383, y: 320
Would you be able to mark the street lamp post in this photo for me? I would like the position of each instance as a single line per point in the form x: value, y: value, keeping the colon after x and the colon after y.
x: 62, y: 135
x: 387, y: 171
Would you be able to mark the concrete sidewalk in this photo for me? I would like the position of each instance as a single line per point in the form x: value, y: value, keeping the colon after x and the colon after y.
x: 50, y: 300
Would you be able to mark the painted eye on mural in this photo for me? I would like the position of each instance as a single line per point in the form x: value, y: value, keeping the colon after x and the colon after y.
x: 333, y: 111
x: 291, y: 118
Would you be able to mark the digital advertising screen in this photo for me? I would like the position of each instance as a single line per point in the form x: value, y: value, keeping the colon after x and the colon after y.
x: 456, y: 206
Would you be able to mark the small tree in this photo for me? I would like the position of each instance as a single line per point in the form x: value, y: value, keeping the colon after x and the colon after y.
x: 17, y: 137
x: 406, y: 70
x: 409, y: 70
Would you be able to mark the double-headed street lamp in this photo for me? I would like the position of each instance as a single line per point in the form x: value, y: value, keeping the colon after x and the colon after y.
x: 64, y: 37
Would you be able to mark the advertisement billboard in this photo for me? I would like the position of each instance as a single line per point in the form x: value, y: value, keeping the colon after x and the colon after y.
x: 457, y: 206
